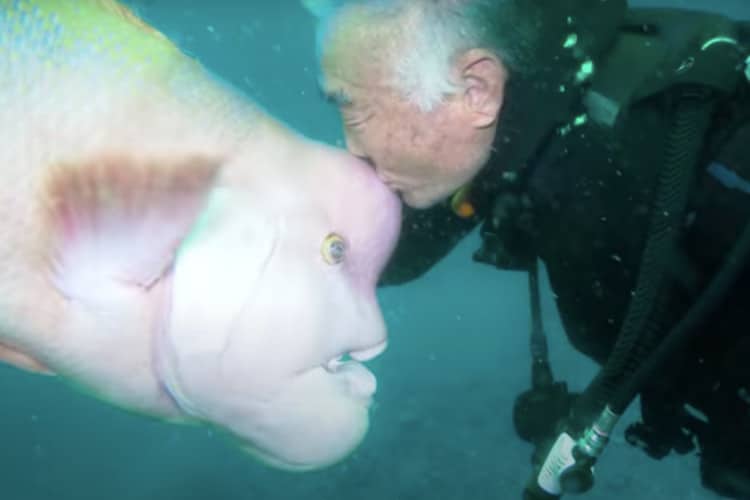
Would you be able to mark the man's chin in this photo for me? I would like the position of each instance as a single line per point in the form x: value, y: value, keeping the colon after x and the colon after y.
x: 416, y: 201
x: 421, y: 200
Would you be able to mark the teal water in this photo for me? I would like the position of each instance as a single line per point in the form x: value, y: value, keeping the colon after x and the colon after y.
x: 457, y: 358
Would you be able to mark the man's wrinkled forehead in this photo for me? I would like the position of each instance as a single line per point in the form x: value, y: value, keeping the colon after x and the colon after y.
x: 348, y: 31
x: 354, y: 47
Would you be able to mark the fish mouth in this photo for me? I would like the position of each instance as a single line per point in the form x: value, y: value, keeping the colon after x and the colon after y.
x: 348, y: 366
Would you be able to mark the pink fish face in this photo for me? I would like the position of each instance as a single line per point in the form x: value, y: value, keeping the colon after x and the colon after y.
x: 274, y: 286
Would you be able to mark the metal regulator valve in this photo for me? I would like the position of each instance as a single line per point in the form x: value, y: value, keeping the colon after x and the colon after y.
x: 569, y: 465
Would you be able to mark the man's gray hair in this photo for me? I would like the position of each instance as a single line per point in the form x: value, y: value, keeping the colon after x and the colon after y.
x: 443, y: 30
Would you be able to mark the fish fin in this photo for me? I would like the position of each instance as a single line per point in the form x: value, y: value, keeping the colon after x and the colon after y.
x: 116, y: 8
x: 23, y: 361
x: 117, y: 219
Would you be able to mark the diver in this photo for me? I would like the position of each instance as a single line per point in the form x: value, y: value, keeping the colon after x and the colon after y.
x: 613, y: 145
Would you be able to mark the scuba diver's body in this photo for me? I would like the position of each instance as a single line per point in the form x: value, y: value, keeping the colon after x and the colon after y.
x: 611, y: 144
x: 584, y: 202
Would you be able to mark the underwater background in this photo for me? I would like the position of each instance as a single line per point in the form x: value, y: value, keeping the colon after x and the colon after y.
x: 458, y: 354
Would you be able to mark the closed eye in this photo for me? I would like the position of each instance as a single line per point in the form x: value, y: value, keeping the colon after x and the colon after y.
x: 353, y: 124
x: 355, y: 121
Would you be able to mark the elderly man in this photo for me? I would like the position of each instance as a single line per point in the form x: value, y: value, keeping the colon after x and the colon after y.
x: 611, y: 144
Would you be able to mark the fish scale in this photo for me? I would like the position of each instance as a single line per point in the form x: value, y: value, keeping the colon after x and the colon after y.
x: 100, y: 39
x: 73, y: 32
x: 61, y: 59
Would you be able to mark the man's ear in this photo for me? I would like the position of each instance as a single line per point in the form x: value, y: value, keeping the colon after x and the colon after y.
x: 482, y: 76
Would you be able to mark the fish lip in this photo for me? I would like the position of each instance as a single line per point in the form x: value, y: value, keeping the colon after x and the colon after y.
x: 369, y: 353
x: 354, y: 377
x: 349, y: 370
x: 358, y: 356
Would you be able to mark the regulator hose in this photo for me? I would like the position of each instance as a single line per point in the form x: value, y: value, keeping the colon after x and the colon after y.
x: 642, y: 327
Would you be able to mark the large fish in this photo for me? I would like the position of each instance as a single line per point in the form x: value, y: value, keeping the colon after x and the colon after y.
x: 172, y: 249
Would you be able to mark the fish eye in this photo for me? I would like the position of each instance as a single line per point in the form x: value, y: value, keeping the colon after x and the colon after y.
x: 333, y: 249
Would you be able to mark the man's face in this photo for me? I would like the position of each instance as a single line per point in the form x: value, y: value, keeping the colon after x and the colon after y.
x: 423, y: 155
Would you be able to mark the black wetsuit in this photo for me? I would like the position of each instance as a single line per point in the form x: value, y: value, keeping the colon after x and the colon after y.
x: 588, y: 206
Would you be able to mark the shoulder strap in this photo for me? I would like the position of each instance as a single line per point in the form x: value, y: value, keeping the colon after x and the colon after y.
x: 662, y: 48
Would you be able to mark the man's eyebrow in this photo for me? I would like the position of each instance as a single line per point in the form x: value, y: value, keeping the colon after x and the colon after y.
x: 336, y: 96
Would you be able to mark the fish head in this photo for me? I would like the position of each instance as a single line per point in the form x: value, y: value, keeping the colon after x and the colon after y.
x: 273, y: 306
